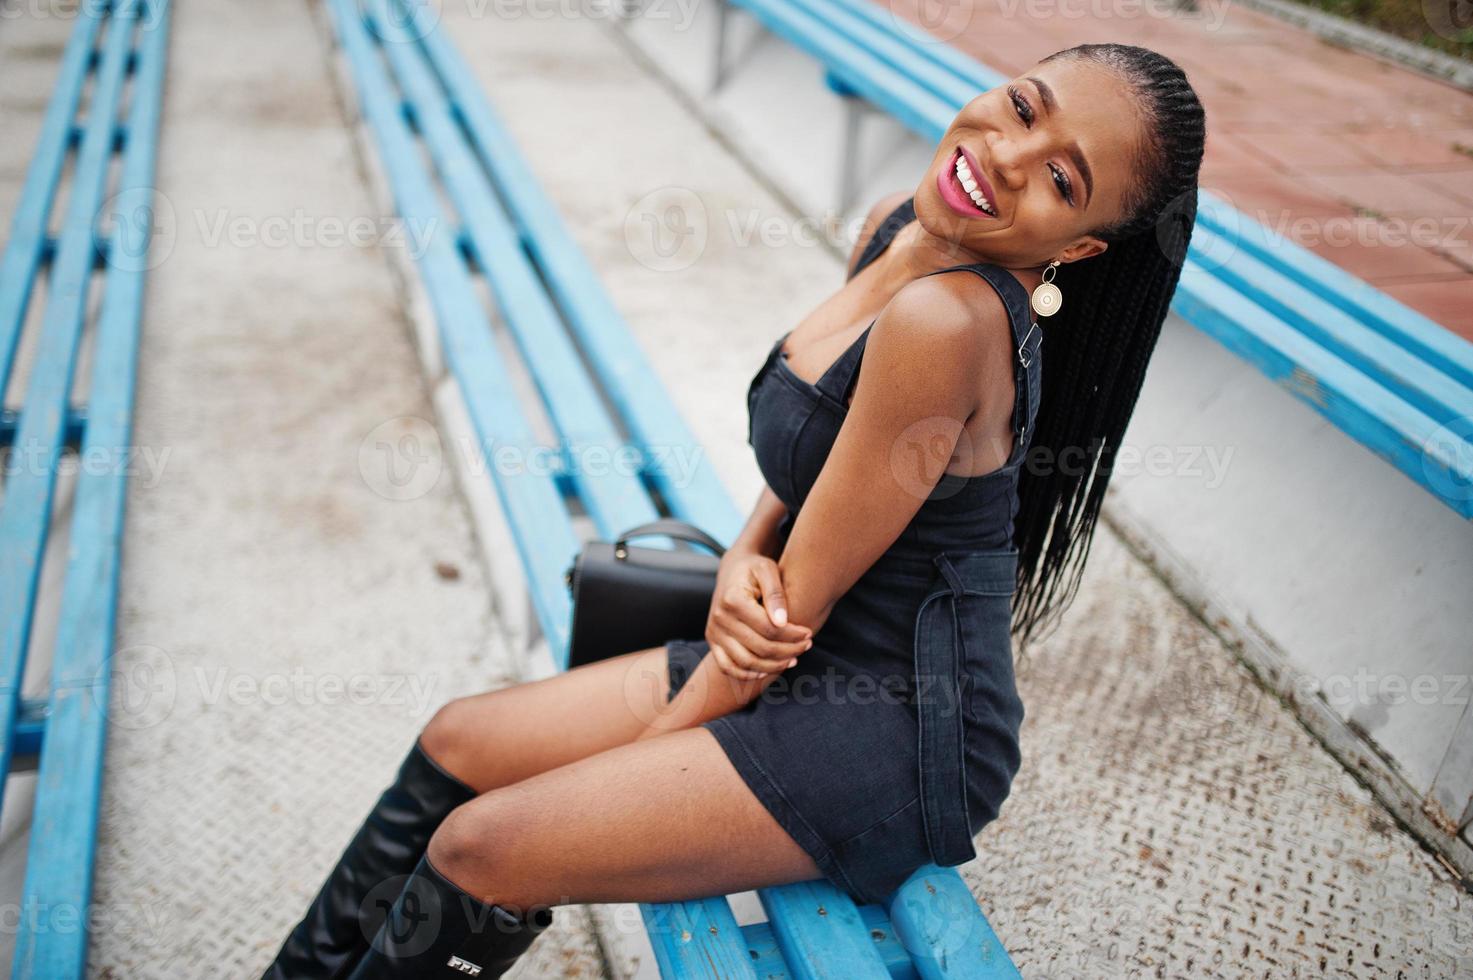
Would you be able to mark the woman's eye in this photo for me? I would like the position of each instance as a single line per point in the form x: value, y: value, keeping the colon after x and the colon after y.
x: 1021, y: 106
x: 1061, y: 181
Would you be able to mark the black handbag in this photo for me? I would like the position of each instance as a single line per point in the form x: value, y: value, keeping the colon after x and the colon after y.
x: 627, y: 598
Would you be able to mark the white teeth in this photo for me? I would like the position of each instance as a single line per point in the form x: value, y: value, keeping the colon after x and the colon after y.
x: 964, y: 176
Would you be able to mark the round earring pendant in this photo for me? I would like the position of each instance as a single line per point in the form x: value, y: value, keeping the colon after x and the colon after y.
x: 1047, y: 299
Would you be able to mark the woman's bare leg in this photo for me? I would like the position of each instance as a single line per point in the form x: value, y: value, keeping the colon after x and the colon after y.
x: 502, y: 737
x: 664, y: 819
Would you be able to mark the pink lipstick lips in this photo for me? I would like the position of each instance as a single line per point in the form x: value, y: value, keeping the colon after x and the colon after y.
x: 963, y: 187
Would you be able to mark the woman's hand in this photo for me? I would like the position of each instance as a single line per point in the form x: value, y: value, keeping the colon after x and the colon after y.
x: 748, y: 628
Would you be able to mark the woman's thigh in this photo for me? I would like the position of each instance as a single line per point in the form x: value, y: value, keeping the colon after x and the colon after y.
x: 664, y: 819
x: 501, y: 737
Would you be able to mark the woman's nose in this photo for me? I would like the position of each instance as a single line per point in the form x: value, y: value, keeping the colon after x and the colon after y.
x: 1007, y: 159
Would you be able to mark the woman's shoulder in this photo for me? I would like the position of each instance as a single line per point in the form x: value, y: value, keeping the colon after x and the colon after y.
x: 956, y: 314
x: 957, y: 324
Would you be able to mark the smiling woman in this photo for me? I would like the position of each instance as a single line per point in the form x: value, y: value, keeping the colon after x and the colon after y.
x: 857, y: 714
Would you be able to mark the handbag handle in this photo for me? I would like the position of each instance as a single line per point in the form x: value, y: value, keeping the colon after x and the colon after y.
x: 670, y: 527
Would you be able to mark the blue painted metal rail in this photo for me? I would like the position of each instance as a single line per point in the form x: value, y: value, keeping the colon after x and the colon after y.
x: 457, y: 151
x: 1389, y: 377
x: 68, y: 729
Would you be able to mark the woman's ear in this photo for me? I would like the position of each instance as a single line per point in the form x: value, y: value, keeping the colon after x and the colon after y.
x: 1083, y: 248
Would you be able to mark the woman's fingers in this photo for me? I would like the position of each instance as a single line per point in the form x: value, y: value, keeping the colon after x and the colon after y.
x: 743, y: 605
x: 760, y: 653
x: 724, y: 661
x: 770, y: 580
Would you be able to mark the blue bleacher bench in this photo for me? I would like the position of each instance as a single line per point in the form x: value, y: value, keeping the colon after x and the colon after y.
x: 1390, y: 378
x: 116, y: 57
x: 450, y: 164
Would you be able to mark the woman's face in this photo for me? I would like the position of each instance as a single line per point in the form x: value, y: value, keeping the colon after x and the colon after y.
x: 1028, y: 170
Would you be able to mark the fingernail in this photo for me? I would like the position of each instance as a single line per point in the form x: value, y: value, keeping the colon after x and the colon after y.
x: 793, y: 662
x: 780, y: 616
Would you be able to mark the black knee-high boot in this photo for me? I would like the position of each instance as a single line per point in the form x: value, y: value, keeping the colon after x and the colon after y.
x: 342, y: 919
x: 437, y: 930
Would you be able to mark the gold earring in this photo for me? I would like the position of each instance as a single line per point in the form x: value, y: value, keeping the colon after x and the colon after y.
x: 1046, y: 298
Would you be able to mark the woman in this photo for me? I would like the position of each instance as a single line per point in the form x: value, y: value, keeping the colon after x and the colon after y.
x: 857, y: 715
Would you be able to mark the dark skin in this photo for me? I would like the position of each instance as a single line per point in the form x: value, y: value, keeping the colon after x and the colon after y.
x: 586, y: 778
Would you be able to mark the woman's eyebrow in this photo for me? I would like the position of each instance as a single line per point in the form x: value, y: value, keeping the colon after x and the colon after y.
x: 1050, y: 105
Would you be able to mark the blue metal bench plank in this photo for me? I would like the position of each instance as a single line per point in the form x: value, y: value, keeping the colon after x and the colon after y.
x: 941, y: 53
x: 616, y: 499
x: 699, y: 939
x: 29, y: 732
x: 64, y: 824
x: 934, y: 917
x: 25, y: 513
x: 28, y: 243
x: 821, y: 933
x: 860, y: 69
x: 887, y: 943
x: 886, y: 43
x: 63, y: 838
x: 630, y: 382
x: 1430, y: 341
x: 1364, y: 409
x: 1309, y: 313
x: 529, y: 499
x: 76, y: 424
x: 767, y: 957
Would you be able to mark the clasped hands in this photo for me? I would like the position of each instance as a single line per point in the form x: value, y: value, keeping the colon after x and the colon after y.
x: 748, y: 627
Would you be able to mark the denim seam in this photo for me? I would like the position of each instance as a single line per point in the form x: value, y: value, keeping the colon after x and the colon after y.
x: 880, y: 822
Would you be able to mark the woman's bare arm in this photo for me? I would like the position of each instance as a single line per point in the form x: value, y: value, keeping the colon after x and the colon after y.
x: 759, y: 535
x: 917, y: 388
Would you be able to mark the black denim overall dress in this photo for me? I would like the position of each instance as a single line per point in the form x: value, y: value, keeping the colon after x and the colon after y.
x: 894, y: 740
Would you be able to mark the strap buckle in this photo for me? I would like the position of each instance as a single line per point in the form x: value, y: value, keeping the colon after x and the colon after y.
x: 1023, y: 358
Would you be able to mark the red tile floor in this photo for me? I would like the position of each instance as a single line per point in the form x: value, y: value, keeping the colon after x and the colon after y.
x: 1366, y: 163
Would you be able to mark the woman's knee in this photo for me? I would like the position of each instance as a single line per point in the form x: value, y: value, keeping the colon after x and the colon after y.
x: 478, y: 847
x: 447, y: 736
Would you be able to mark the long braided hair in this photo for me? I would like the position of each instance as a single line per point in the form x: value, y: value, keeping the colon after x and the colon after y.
x: 1098, y: 344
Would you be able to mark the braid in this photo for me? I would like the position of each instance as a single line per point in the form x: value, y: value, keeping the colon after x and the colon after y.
x: 1101, y: 341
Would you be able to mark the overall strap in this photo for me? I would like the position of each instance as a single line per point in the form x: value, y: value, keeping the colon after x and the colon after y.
x: 839, y: 379
x: 1027, y: 340
x: 903, y: 215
